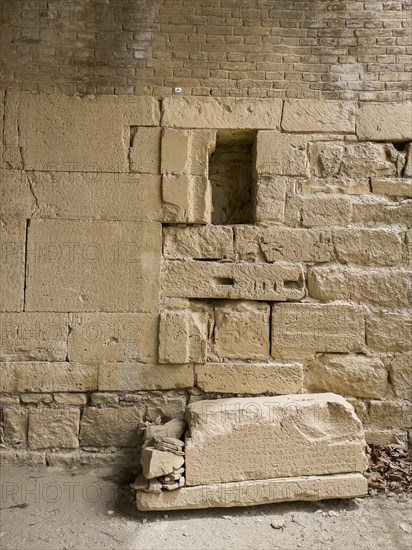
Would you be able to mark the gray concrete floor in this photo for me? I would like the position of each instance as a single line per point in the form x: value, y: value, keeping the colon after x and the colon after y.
x: 51, y: 509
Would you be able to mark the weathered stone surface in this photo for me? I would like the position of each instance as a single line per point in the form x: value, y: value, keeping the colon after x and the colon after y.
x: 318, y: 116
x: 167, y: 405
x: 401, y: 376
x: 397, y: 187
x: 281, y: 154
x: 15, y: 426
x: 36, y: 398
x: 145, y: 150
x: 2, y: 101
x: 326, y: 158
x: 13, y: 456
x: 301, y: 330
x: 253, y: 493
x: 387, y: 414
x: 336, y: 185
x: 105, y: 398
x: 187, y: 151
x: 407, y: 171
x: 241, y: 439
x: 132, y: 376
x: 70, y: 398
x: 110, y: 427
x: 16, y: 199
x: 86, y: 265
x: 318, y: 210
x: 33, y: 336
x: 348, y: 375
x: 385, y: 121
x: 378, y: 210
x: 11, y: 140
x: 186, y: 199
x: 12, y: 248
x: 407, y: 251
x: 280, y: 282
x: 57, y: 428
x: 173, y: 428
x: 250, y: 378
x: 157, y: 463
x: 273, y: 244
x: 209, y: 112
x: 100, y: 196
x: 113, y: 337
x: 47, y: 377
x: 211, y: 242
x: 374, y: 247
x: 382, y: 287
x: 389, y: 331
x: 241, y: 331
x: 182, y: 337
x: 271, y: 198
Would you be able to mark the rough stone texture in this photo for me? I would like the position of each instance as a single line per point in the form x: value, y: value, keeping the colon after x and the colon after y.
x: 145, y: 150
x: 57, y: 428
x: 318, y: 210
x: 12, y: 245
x: 186, y: 199
x: 318, y: 116
x: 382, y: 287
x: 389, y: 331
x: 70, y: 398
x: 16, y: 198
x: 378, y: 210
x: 158, y: 463
x: 281, y: 154
x: 280, y: 282
x: 386, y: 414
x: 15, y: 426
x: 336, y: 185
x: 385, y: 121
x: 86, y: 266
x: 113, y: 337
x: 348, y: 375
x: 212, y: 242
x: 132, y: 376
x: 407, y: 171
x: 301, y: 330
x: 397, y: 187
x: 187, y: 151
x: 374, y: 247
x: 243, y: 439
x: 271, y: 198
x: 33, y: 336
x: 182, y: 337
x: 12, y: 154
x: 252, y: 493
x: 250, y: 378
x: 167, y: 405
x: 110, y: 426
x: 208, y: 112
x: 401, y: 376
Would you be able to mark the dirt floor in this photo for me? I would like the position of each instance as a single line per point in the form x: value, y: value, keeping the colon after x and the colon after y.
x: 47, y: 508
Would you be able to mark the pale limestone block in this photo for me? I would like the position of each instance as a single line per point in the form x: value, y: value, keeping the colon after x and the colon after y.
x: 113, y: 337
x: 105, y: 398
x: 369, y: 159
x: 303, y: 115
x: 239, y: 439
x: 401, y: 375
x: 159, y: 463
x: 167, y: 405
x: 47, y: 377
x: 110, y: 426
x: 382, y: 287
x: 93, y: 265
x: 134, y: 376
x: 182, y: 337
x: 16, y: 198
x: 145, y: 150
x: 393, y: 187
x: 378, y: 210
x: 273, y: 244
x: 175, y: 151
x: 100, y: 196
x: 210, y: 242
x: 36, y: 398
x: 33, y: 336
x: 173, y: 428
x: 12, y: 153
x: 70, y: 398
x: 241, y: 331
x: 387, y: 414
x: 279, y: 282
x: 325, y: 158
x: 250, y: 378
x: 385, y: 121
x: 186, y: 199
x: 348, y: 375
x: 13, y: 456
x: 381, y: 438
x: 389, y: 331
x: 374, y: 247
x: 281, y: 154
x: 271, y: 199
x: 318, y: 210
x: 56, y: 428
x: 336, y: 185
x: 301, y: 330
x: 12, y: 251
x: 15, y: 426
x: 227, y: 113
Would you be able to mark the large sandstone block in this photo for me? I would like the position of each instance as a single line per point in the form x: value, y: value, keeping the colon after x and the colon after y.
x: 375, y: 247
x: 187, y: 151
x: 281, y: 154
x: 211, y: 242
x: 15, y: 426
x: 16, y: 198
x: 336, y: 185
x: 210, y: 112
x: 182, y: 337
x: 301, y: 330
x: 401, y: 376
x: 392, y: 187
x: 145, y: 150
x: 378, y: 210
x: 108, y: 426
x: 33, y: 336
x: 86, y: 265
x: 56, y: 428
x: 382, y: 287
x: 186, y: 199
x: 250, y: 378
x: 348, y: 375
x: 243, y: 439
x: 12, y: 250
x: 270, y: 202
x: 113, y: 337
x: 318, y: 210
x: 318, y: 116
x: 137, y: 377
x: 280, y: 282
x: 385, y: 121
x: 389, y: 331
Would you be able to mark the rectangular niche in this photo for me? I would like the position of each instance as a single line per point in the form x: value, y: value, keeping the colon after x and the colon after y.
x: 232, y: 176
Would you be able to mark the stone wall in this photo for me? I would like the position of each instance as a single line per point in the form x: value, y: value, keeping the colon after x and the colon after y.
x: 122, y: 297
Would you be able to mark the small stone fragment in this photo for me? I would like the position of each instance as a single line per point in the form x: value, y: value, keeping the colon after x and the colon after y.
x: 171, y: 487
x: 173, y: 428
x: 156, y: 463
x: 154, y: 487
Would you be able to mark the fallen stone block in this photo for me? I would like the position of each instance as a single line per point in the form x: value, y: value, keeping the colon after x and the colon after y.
x: 157, y: 463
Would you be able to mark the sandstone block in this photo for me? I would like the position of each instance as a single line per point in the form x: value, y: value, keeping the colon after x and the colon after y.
x: 336, y: 185
x: 252, y: 493
x: 182, y: 337
x: 210, y: 112
x: 20, y: 456
x: 318, y: 116
x: 12, y: 154
x: 382, y: 287
x: 2, y: 101
x: 397, y: 187
x: 280, y: 282
x: 16, y: 199
x: 401, y: 375
x: 113, y: 337
x: 318, y: 210
x: 167, y: 405
x: 70, y: 398
x: 105, y: 398
x: 15, y: 426
x: 385, y: 121
x: 369, y: 159
x: 281, y: 154
x: 387, y: 414
x: 348, y: 375
x: 36, y: 398
x: 374, y: 247
x: 407, y: 251
x: 389, y: 331
x: 12, y: 250
x: 56, y: 428
x: 250, y: 378
x: 273, y: 244
x: 175, y: 151
x: 86, y: 265
x: 241, y: 439
x: 325, y: 158
x: 378, y: 210
x: 301, y: 330
x: 211, y: 242
x: 108, y: 426
x: 186, y: 199
x: 407, y: 172
x: 173, y: 428
x: 136, y: 377
x: 145, y: 150
x: 271, y: 198
x: 159, y: 463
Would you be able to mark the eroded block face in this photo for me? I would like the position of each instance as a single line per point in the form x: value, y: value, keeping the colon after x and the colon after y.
x: 281, y: 154
x: 186, y: 199
x: 56, y: 428
x: 182, y: 337
x: 110, y: 426
x: 318, y: 116
x: 12, y: 245
x: 145, y: 150
x: 385, y: 121
x: 206, y: 243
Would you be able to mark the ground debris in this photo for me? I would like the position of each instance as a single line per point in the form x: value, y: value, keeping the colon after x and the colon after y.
x: 390, y: 469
